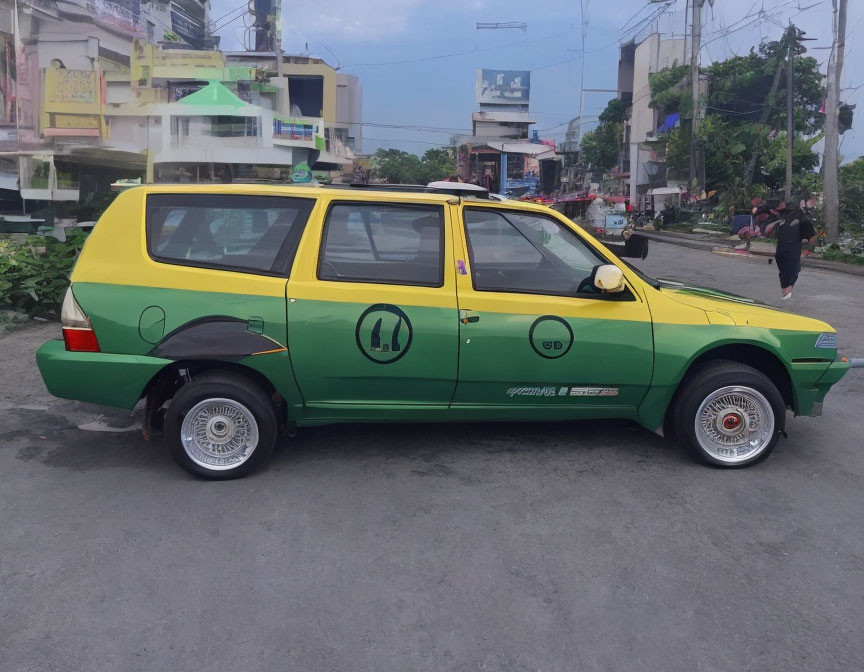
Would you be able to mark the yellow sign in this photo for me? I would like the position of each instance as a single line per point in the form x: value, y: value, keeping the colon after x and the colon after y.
x: 75, y: 121
x: 72, y: 91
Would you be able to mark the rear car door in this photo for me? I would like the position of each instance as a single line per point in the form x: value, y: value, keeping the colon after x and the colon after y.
x: 372, y: 317
x: 536, y: 334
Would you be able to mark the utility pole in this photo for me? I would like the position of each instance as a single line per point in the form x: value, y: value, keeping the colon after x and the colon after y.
x: 830, y: 161
x: 697, y: 159
x: 283, y: 103
x: 790, y: 126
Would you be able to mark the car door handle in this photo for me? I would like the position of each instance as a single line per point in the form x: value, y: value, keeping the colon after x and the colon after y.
x: 466, y: 316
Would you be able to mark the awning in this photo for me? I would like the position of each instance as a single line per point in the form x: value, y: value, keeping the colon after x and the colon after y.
x: 664, y: 191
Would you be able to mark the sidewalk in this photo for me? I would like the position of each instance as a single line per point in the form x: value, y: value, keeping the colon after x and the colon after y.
x: 723, y: 245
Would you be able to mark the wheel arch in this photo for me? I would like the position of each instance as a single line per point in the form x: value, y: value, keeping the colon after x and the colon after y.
x: 168, y: 380
x: 754, y: 355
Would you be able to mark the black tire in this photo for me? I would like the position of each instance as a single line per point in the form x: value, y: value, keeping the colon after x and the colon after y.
x: 709, y: 379
x: 238, y: 389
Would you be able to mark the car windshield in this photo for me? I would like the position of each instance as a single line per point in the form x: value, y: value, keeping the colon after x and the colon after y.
x: 644, y: 277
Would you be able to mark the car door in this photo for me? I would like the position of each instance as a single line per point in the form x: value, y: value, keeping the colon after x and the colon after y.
x: 535, y: 333
x: 372, y: 317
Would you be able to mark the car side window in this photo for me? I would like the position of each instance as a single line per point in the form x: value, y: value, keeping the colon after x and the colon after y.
x: 257, y: 234
x: 523, y: 252
x: 387, y: 243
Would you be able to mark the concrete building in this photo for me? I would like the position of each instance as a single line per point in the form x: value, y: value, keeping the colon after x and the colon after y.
x: 93, y: 92
x: 643, y: 164
x: 499, y: 154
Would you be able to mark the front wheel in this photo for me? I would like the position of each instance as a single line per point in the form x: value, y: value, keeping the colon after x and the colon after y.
x: 729, y: 414
x: 220, y: 426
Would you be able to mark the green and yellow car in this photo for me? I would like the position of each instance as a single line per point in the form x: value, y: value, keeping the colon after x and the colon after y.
x: 234, y: 312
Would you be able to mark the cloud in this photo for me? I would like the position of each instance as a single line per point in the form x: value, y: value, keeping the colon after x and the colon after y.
x: 357, y: 22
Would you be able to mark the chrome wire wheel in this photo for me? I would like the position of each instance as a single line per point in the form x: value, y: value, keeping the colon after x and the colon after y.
x: 219, y: 434
x: 735, y: 424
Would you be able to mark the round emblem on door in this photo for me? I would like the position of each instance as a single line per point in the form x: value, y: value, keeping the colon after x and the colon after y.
x: 384, y: 333
x: 550, y: 336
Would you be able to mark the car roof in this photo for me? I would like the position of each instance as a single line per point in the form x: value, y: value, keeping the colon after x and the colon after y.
x: 384, y: 192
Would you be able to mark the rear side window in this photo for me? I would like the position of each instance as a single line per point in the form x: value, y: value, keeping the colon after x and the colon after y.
x: 385, y: 243
x: 253, y: 234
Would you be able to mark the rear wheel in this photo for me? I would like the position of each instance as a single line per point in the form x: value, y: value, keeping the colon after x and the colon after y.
x: 220, y: 426
x: 729, y: 414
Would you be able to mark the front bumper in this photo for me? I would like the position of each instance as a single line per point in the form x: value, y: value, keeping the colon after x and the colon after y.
x: 810, y: 394
x: 96, y: 377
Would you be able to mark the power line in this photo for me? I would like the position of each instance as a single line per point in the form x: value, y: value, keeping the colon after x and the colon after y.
x: 227, y: 23
x: 244, y: 5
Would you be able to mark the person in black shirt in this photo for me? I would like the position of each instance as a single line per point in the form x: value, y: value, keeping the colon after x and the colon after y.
x: 792, y: 230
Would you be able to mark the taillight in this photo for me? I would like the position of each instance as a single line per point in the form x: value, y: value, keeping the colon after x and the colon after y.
x: 78, y: 334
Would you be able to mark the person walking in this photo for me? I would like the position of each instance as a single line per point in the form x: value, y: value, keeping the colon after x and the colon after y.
x: 792, y: 230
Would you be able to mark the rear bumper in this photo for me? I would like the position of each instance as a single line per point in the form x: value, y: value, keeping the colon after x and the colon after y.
x: 809, y: 397
x: 96, y: 377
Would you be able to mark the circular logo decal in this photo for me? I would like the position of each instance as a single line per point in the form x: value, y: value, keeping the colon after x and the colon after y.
x: 383, y: 333
x: 550, y: 336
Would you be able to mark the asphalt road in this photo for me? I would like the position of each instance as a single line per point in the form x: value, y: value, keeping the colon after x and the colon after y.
x: 582, y: 546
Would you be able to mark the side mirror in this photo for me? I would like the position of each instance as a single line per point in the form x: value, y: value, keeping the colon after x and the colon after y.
x: 609, y: 278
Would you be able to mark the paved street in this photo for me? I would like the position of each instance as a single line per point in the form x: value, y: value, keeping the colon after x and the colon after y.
x: 589, y: 546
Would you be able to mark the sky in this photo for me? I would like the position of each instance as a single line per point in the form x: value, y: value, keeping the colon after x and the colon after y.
x: 417, y: 59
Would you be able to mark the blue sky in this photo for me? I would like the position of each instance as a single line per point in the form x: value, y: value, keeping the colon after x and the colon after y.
x: 377, y: 40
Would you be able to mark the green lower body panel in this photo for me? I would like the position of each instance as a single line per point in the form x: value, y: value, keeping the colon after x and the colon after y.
x: 323, y: 414
x: 809, y: 397
x: 96, y: 377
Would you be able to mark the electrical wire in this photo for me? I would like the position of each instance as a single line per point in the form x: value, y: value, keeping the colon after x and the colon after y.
x: 245, y: 5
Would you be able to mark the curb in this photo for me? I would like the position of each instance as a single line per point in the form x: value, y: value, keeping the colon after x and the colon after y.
x: 710, y: 246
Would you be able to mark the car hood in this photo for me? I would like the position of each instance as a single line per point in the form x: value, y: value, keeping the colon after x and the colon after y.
x: 727, y: 308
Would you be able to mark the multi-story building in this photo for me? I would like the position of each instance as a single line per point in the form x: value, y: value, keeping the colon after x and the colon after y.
x: 93, y: 91
x: 642, y: 162
x: 498, y: 154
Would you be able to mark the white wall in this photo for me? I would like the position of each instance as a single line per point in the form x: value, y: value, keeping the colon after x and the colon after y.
x: 652, y: 55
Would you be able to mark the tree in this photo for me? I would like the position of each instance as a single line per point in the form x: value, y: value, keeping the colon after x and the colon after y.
x: 601, y: 146
x: 438, y: 164
x: 741, y: 113
x: 852, y: 195
x: 399, y: 167
x: 615, y: 111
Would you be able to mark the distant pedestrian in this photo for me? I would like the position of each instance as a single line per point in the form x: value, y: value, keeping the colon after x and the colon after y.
x: 640, y: 220
x: 792, y: 230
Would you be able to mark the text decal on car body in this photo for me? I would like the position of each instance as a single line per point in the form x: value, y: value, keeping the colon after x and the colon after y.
x: 562, y: 391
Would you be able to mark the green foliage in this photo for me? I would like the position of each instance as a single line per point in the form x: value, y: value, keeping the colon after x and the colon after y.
x: 398, y: 167
x: 852, y: 196
x: 844, y: 257
x: 437, y: 164
x: 678, y: 149
x: 738, y: 92
x: 34, y: 276
x: 774, y: 156
x: 615, y: 112
x: 669, y: 92
x: 600, y: 147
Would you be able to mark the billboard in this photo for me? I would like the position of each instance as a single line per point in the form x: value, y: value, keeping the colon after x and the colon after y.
x: 503, y: 87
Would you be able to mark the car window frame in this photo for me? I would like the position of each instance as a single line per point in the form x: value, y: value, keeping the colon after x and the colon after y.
x: 283, y: 262
x: 442, y: 243
x: 626, y: 295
